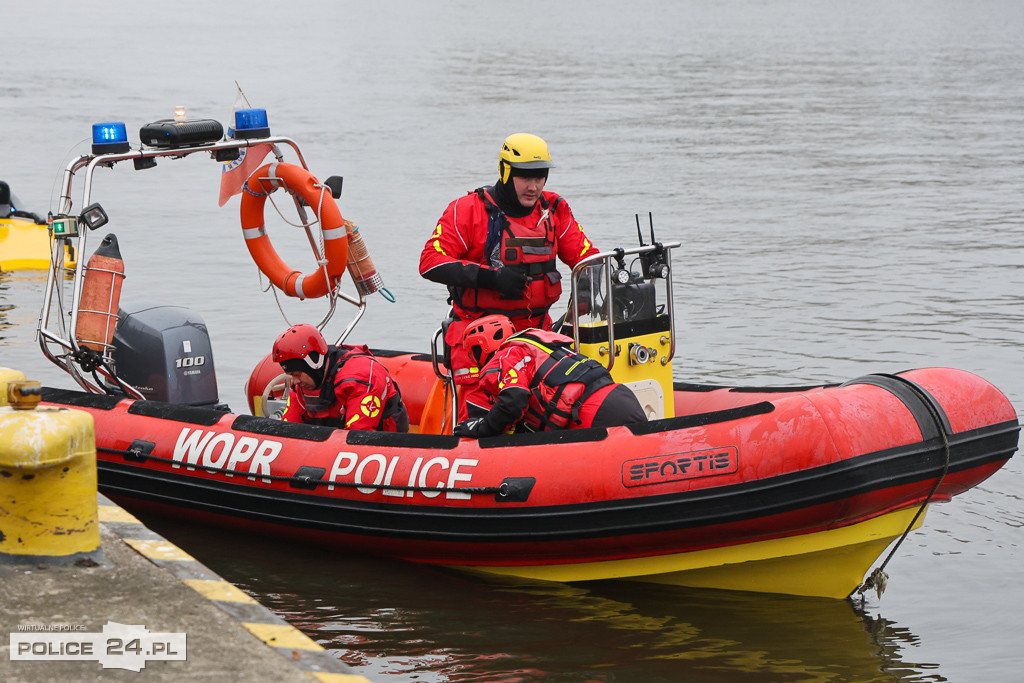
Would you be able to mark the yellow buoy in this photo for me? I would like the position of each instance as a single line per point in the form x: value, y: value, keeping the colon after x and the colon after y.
x: 48, y: 508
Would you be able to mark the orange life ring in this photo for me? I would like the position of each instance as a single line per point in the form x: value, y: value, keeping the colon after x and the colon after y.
x: 297, y: 180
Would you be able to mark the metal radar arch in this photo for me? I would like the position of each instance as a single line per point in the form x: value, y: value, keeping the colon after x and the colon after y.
x: 82, y: 315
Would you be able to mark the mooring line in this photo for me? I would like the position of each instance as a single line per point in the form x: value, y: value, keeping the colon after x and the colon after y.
x: 878, y: 578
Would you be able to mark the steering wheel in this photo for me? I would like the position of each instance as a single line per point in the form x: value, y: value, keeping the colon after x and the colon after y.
x: 276, y: 389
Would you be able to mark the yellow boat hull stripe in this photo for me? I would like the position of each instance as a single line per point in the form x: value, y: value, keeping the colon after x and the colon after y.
x: 828, y: 563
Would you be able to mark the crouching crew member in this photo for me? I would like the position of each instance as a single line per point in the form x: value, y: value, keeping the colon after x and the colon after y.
x: 534, y: 378
x: 337, y: 386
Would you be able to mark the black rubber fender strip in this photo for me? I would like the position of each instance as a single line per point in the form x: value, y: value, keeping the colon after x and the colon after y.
x: 546, y: 438
x: 360, y: 437
x: 779, y: 390
x: 703, y: 388
x: 915, y: 398
x: 81, y: 399
x: 389, y: 353
x: 265, y: 426
x: 701, y: 419
x: 207, y: 417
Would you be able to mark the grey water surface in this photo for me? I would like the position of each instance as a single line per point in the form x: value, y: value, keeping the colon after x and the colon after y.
x: 847, y: 182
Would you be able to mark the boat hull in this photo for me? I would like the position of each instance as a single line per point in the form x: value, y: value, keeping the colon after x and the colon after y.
x: 765, y: 491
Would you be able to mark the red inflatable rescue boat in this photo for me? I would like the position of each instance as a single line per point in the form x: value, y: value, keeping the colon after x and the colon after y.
x: 790, y: 490
x: 770, y: 490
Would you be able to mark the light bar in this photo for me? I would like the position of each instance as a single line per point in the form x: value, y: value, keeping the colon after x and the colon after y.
x: 168, y: 133
x: 109, y: 138
x: 251, y: 123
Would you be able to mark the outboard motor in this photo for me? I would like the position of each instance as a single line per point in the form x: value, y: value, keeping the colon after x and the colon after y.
x: 165, y: 352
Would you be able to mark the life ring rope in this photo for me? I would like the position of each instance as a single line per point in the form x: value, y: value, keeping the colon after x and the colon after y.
x: 321, y: 258
x: 332, y: 256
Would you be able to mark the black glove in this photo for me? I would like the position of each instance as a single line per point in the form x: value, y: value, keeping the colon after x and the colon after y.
x: 468, y: 428
x: 475, y: 428
x: 509, y: 282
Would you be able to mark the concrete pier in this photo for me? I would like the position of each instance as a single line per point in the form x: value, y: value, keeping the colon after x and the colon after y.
x: 126, y: 613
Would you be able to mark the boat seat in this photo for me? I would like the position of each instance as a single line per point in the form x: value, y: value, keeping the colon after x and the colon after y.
x: 436, y: 418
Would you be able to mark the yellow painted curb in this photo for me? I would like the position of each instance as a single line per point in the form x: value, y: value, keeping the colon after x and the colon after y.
x: 218, y: 590
x: 158, y: 550
x: 112, y: 513
x: 338, y: 678
x: 282, y: 636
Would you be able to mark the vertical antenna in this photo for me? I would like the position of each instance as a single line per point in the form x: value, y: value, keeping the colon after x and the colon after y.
x: 242, y: 94
x: 650, y: 217
x: 639, y: 234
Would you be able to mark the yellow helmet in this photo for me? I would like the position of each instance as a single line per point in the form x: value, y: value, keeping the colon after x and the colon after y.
x: 522, y: 150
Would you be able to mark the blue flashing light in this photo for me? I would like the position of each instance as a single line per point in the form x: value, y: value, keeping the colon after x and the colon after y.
x: 109, y: 138
x: 246, y: 119
x: 251, y: 123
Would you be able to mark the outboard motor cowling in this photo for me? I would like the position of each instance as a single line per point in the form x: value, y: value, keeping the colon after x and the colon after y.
x: 165, y: 352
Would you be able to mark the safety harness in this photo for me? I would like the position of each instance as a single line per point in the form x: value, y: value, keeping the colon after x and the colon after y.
x: 552, y: 385
x: 531, y: 251
x: 336, y: 359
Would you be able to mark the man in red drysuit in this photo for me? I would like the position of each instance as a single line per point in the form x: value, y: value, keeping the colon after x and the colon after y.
x: 496, y: 249
x: 337, y: 386
x: 535, y: 378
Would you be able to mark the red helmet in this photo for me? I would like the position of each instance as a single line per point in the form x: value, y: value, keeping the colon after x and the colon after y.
x: 483, y: 337
x: 297, y: 343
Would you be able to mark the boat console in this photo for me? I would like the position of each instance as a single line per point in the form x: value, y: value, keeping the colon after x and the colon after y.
x: 632, y: 331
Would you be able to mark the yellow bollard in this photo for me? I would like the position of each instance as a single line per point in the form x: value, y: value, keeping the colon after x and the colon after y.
x: 48, y: 509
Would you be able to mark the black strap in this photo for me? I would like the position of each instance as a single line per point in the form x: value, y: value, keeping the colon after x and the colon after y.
x: 536, y: 268
x: 921, y: 404
x: 496, y: 220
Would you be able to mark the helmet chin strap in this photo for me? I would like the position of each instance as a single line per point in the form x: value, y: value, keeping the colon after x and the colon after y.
x: 317, y: 365
x: 478, y: 353
x: 315, y: 369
